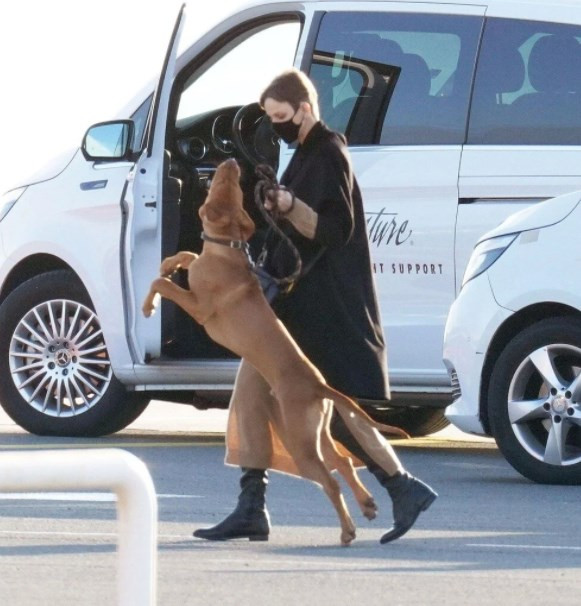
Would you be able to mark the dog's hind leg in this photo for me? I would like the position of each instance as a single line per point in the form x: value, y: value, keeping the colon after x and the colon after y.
x: 367, y: 435
x: 313, y: 468
x: 302, y: 434
x: 344, y: 465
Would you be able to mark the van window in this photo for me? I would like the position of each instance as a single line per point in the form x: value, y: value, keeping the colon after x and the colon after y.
x: 395, y: 78
x: 528, y: 85
x: 139, y: 118
x: 242, y: 70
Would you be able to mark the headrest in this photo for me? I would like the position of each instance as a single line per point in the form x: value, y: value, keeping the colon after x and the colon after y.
x: 415, y: 76
x: 501, y: 77
x: 555, y: 63
x: 368, y: 46
x: 391, y: 52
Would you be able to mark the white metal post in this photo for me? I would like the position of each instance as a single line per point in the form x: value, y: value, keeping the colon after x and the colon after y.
x: 113, y: 469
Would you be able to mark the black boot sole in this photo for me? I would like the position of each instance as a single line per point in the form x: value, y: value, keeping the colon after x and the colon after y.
x: 396, y: 533
x: 250, y: 537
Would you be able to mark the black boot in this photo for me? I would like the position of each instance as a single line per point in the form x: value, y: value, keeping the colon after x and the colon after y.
x: 250, y: 518
x: 410, y: 497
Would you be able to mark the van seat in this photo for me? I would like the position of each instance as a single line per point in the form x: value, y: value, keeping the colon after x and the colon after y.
x: 490, y: 110
x: 554, y: 71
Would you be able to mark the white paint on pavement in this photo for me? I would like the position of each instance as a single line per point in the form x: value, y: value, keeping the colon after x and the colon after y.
x: 540, y: 547
x: 81, y: 496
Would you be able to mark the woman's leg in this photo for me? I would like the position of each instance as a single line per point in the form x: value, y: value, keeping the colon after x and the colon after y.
x: 249, y: 433
x: 409, y: 495
x: 249, y: 443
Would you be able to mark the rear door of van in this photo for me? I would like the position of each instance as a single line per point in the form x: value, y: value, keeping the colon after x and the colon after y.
x: 396, y: 79
x: 524, y: 137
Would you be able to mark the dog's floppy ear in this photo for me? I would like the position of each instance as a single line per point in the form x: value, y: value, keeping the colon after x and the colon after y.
x: 213, y: 215
x: 247, y: 226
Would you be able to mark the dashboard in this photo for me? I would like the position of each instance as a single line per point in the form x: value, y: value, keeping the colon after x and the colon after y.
x: 241, y: 132
x: 206, y: 139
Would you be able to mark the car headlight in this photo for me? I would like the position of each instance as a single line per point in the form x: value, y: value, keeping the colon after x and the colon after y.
x: 9, y: 199
x: 485, y: 254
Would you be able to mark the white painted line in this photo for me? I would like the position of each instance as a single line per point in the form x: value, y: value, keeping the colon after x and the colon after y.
x: 48, y: 533
x: 540, y: 547
x: 58, y: 533
x: 81, y: 496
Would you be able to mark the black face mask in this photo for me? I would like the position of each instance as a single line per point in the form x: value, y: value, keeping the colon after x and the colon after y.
x: 288, y: 131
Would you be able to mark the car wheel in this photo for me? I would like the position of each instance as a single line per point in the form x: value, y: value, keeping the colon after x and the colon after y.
x: 534, y: 402
x: 56, y: 373
x: 417, y: 421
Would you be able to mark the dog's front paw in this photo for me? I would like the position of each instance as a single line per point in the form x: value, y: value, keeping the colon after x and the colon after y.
x: 150, y: 304
x: 167, y: 268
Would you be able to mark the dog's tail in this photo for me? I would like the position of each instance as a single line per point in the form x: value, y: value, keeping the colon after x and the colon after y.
x: 350, y: 411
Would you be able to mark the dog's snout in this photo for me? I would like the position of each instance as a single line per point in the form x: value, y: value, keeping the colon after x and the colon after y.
x: 230, y: 166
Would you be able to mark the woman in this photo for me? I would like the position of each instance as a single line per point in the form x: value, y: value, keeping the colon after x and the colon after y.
x: 331, y: 312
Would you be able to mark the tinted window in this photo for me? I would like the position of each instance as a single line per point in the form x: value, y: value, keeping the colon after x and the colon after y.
x: 139, y: 118
x: 528, y: 84
x: 394, y: 78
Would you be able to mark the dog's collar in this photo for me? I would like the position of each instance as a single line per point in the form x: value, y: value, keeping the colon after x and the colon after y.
x: 237, y: 244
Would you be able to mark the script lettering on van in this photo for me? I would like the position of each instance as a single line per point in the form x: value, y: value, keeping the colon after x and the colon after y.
x: 384, y: 228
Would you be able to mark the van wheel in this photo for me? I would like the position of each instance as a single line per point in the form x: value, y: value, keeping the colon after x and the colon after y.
x: 55, y: 368
x: 534, y: 402
x: 418, y: 421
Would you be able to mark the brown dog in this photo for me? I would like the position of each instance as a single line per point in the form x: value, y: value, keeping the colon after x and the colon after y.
x: 225, y: 297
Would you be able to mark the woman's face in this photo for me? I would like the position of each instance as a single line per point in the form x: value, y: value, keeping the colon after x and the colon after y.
x: 278, y: 111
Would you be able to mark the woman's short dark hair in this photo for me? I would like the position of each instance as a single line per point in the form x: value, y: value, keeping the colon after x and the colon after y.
x: 293, y: 87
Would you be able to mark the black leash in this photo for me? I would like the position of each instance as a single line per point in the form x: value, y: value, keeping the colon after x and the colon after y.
x: 267, y: 181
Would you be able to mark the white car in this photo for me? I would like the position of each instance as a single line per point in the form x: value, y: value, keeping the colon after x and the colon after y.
x: 513, y: 341
x: 455, y: 115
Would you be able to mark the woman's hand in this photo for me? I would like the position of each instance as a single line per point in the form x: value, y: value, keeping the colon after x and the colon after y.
x: 280, y: 199
x: 299, y: 214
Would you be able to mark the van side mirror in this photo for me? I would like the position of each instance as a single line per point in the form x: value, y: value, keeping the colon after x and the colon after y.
x: 109, y: 141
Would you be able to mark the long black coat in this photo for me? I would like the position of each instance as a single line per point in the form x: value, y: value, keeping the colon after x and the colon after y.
x: 332, y: 312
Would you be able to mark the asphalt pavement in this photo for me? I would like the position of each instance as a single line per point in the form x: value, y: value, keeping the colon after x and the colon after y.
x: 491, y: 538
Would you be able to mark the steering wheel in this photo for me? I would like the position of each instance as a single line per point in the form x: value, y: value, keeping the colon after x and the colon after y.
x: 253, y: 136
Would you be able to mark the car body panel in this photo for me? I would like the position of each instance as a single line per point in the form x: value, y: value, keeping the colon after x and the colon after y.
x: 531, y: 272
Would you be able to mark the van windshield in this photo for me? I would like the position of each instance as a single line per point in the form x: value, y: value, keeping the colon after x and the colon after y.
x: 242, y: 70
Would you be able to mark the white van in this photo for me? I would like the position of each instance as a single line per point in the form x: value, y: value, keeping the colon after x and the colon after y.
x: 513, y: 341
x: 457, y: 114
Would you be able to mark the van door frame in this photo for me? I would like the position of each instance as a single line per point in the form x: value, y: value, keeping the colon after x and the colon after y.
x: 142, y: 208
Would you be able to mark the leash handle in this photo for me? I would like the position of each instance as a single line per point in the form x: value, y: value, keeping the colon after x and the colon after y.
x: 267, y: 181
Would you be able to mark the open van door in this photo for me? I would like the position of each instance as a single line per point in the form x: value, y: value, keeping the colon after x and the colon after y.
x: 142, y: 233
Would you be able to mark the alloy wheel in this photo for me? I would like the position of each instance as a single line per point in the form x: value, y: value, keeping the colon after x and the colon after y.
x: 58, y: 358
x: 544, y: 404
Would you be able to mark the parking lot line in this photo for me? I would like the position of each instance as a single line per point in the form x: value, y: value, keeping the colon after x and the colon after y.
x: 506, y: 546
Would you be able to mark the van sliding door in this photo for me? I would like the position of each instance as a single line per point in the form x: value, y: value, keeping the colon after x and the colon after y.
x: 396, y: 81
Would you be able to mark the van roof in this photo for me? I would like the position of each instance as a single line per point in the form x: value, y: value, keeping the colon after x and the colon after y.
x: 484, y: 3
x: 556, y: 11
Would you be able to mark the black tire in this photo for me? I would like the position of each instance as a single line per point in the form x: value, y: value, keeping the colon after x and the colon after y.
x: 417, y: 421
x: 536, y: 429
x: 56, y: 377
